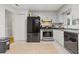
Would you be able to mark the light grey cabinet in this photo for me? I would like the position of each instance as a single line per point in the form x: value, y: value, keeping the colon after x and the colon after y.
x: 58, y: 36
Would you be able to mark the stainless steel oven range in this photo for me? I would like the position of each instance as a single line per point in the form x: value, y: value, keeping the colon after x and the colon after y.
x: 47, y: 34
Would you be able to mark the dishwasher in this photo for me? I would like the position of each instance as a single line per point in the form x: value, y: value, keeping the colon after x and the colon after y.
x: 71, y: 42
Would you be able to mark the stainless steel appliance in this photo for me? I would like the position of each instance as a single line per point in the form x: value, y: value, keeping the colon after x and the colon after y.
x: 33, y: 29
x: 71, y: 42
x: 47, y: 35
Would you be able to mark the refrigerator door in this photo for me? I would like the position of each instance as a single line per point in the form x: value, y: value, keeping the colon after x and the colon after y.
x: 36, y: 25
x: 29, y: 37
x: 33, y: 37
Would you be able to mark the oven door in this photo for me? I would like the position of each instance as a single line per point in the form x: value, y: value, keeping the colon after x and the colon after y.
x: 47, y: 34
x: 71, y: 42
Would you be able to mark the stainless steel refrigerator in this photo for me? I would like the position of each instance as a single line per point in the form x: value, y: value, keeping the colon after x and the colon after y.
x: 33, y: 29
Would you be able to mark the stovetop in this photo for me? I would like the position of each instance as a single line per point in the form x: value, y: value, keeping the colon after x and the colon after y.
x: 48, y: 28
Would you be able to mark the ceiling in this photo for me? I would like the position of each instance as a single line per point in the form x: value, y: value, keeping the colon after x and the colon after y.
x: 37, y: 7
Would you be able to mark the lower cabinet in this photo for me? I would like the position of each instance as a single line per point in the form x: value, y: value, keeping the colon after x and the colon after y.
x: 58, y: 36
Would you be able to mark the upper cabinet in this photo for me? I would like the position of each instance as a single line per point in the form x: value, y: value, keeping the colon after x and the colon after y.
x: 75, y: 15
x: 59, y: 19
x: 69, y: 15
x: 75, y: 11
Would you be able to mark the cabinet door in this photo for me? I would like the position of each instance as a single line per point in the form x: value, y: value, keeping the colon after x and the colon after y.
x: 58, y: 36
x: 61, y: 18
x: 55, y: 35
x: 61, y: 37
x: 75, y: 11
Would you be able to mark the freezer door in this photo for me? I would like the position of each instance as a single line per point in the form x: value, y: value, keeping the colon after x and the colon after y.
x: 33, y: 37
x: 29, y: 37
x: 36, y: 37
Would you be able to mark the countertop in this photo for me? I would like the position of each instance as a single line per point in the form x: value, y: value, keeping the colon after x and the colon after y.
x: 50, y: 28
x: 63, y: 29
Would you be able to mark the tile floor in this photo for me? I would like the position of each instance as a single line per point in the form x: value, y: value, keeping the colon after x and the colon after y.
x: 21, y: 47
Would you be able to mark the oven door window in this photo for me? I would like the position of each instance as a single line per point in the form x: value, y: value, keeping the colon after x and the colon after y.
x: 47, y: 34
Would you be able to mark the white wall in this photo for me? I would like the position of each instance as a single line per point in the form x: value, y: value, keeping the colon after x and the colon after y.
x: 8, y: 23
x: 2, y: 21
x: 45, y: 14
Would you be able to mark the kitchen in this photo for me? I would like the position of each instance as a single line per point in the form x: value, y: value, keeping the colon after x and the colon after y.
x: 60, y: 25
x: 51, y: 31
